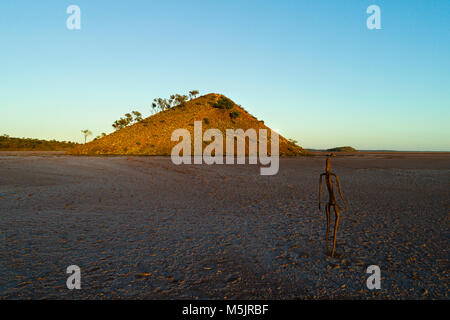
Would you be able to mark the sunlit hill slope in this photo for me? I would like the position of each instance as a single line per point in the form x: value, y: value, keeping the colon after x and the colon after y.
x: 152, y: 135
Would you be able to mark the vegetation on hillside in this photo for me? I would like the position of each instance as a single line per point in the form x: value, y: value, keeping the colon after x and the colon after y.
x: 158, y: 105
x: 175, y: 100
x: 343, y: 149
x: 100, y: 136
x: 123, y: 122
x: 224, y: 103
x: 234, y: 114
x: 28, y: 144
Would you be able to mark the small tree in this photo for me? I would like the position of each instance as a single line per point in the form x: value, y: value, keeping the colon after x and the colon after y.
x: 174, y: 100
x: 193, y: 94
x: 180, y: 99
x: 154, y: 108
x: 171, y: 101
x: 124, y: 122
x: 119, y: 124
x: 161, y: 104
x: 137, y: 116
x: 86, y: 133
x: 129, y: 118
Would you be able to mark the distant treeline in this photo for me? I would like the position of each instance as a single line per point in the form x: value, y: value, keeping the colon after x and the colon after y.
x: 343, y: 149
x: 14, y: 144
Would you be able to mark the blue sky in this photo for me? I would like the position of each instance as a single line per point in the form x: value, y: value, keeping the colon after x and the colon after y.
x: 311, y: 69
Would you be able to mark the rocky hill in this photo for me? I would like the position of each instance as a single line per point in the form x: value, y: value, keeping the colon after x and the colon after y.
x: 152, y: 135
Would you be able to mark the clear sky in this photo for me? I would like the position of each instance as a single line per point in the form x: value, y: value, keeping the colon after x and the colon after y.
x: 311, y: 69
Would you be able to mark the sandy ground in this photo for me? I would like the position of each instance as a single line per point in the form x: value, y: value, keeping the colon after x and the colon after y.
x: 141, y: 227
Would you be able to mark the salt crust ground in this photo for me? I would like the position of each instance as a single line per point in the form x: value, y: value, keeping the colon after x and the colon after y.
x: 141, y: 227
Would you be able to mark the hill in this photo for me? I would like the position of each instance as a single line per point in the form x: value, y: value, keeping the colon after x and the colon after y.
x: 152, y: 135
x: 343, y: 149
x: 8, y: 143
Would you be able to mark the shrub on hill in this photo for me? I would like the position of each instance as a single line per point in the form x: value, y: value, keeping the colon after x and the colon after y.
x: 234, y: 114
x: 224, y: 103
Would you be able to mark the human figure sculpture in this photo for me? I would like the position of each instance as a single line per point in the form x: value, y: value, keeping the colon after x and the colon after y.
x: 332, y: 199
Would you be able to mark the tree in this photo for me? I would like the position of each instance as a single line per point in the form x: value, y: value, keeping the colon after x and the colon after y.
x: 179, y: 99
x: 174, y: 100
x: 137, y: 116
x: 129, y: 118
x: 86, y: 133
x: 124, y: 122
x: 161, y: 104
x: 154, y: 108
x: 119, y: 124
x: 193, y: 94
x: 171, y: 100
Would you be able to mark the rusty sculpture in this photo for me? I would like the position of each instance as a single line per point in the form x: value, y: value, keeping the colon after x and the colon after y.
x: 332, y: 199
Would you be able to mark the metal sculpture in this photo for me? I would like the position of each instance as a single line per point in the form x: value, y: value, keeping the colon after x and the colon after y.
x: 332, y: 199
